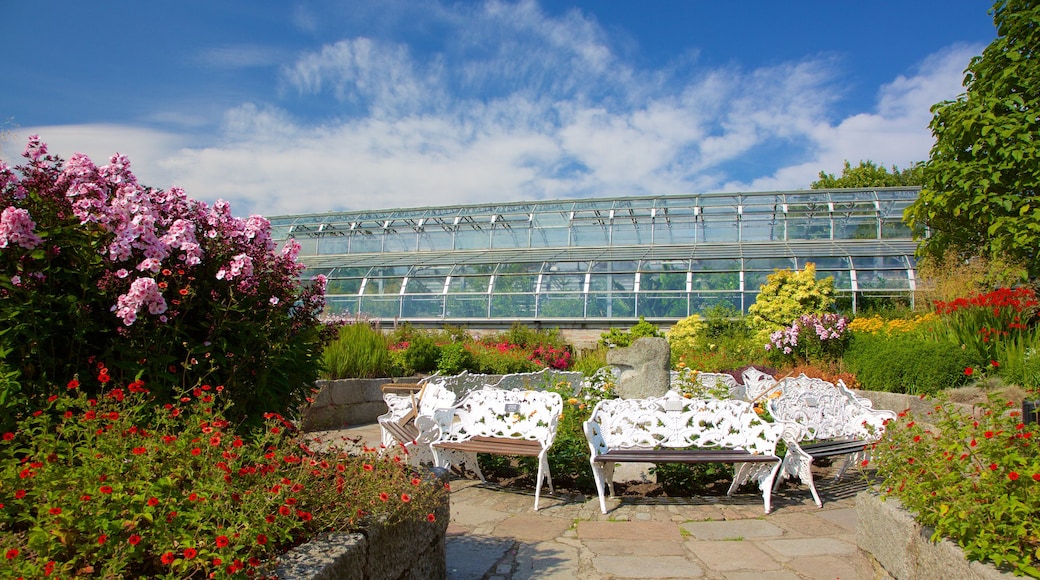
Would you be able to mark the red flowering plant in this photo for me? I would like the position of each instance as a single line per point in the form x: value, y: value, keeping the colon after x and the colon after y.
x: 95, y: 266
x: 973, y: 476
x: 120, y: 485
x: 987, y: 324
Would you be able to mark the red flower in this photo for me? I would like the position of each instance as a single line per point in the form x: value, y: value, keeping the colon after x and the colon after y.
x: 416, y: 481
x: 406, y: 498
x: 1013, y: 475
x: 994, y: 363
x: 8, y: 436
x: 153, y: 501
x: 261, y: 539
x: 72, y: 384
x: 167, y: 558
x: 384, y: 496
x: 139, y: 450
x: 19, y: 494
x: 134, y: 539
x: 105, y: 489
x: 222, y: 541
x: 284, y: 510
x: 431, y: 518
x: 190, y: 553
x: 102, y: 539
x: 12, y: 554
x: 305, y: 516
x: 367, y: 467
x: 1036, y: 477
x: 84, y: 497
x: 988, y: 434
x: 968, y: 371
x: 993, y: 466
x: 55, y: 511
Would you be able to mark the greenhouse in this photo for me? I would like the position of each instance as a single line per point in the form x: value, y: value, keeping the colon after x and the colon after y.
x: 603, y: 262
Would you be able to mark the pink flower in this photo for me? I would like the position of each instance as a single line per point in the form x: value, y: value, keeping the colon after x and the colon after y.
x: 16, y: 227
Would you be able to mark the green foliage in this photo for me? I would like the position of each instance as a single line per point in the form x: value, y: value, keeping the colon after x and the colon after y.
x: 723, y: 319
x: 786, y: 295
x: 980, y: 182
x: 590, y: 360
x: 681, y: 479
x: 907, y: 363
x: 422, y: 354
x: 971, y: 479
x: 12, y: 400
x: 868, y: 174
x: 686, y: 334
x: 359, y: 352
x: 132, y: 488
x: 1020, y: 360
x: 616, y: 337
x: 454, y: 359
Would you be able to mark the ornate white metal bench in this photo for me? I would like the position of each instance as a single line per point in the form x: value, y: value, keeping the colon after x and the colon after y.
x: 407, y: 423
x: 831, y: 422
x: 501, y: 422
x: 674, y: 429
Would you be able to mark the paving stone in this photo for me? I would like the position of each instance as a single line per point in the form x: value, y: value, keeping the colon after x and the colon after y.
x: 470, y: 557
x: 831, y: 567
x: 731, y: 530
x: 647, y: 567
x: 532, y: 528
x: 731, y: 556
x: 808, y: 547
x: 655, y: 531
x: 808, y: 524
x: 634, y: 547
x: 844, y: 517
x: 545, y: 561
x: 769, y: 575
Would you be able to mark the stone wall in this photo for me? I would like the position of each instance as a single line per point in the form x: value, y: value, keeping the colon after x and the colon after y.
x: 413, y: 550
x: 346, y: 402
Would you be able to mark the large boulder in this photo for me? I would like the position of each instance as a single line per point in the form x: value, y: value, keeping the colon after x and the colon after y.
x: 643, y: 368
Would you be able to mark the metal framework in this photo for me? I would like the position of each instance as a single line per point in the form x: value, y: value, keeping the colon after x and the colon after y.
x: 607, y: 260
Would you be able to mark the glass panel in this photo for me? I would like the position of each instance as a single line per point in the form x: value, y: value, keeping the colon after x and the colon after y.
x: 702, y: 301
x: 460, y: 284
x: 467, y: 238
x: 520, y: 267
x: 754, y: 280
x: 574, y: 267
x: 880, y: 262
x: 333, y: 245
x: 720, y: 224
x: 463, y: 269
x: 662, y: 281
x: 626, y: 233
x: 715, y: 265
x: 882, y: 279
x: 551, y: 219
x: 423, y: 306
x: 604, y: 282
x: 381, y: 307
x: 755, y: 228
x: 399, y: 241
x: 431, y: 285
x: 716, y: 281
x: 664, y: 266
x: 383, y: 286
x: 682, y: 230
x: 308, y: 246
x: 861, y: 227
x: 549, y: 237
x: 770, y: 264
x: 466, y: 306
x: 615, y: 266
x: 590, y: 235
x: 516, y: 236
x: 366, y: 241
x: 561, y: 305
x: 809, y: 228
x: 513, y: 306
x: 658, y: 304
x: 343, y: 286
x: 436, y: 239
x: 515, y: 283
x: 341, y: 305
x: 611, y: 305
x: 828, y: 262
x: 563, y: 282
x: 895, y: 228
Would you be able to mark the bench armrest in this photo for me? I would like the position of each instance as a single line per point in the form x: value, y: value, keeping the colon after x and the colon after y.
x: 594, y: 435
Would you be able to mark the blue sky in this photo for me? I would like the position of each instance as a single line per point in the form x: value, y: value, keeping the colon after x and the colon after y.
x: 285, y: 107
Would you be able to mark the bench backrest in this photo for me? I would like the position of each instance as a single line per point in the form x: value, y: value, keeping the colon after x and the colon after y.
x: 674, y: 421
x: 513, y: 413
x: 824, y: 410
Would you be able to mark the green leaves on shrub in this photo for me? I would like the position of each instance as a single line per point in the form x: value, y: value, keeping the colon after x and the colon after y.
x: 359, y: 352
x: 454, y: 359
x: 974, y: 479
x: 786, y: 295
x: 907, y: 363
x: 615, y: 337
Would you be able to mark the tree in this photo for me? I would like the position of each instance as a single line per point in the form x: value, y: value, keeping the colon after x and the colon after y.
x: 867, y: 174
x: 980, y: 183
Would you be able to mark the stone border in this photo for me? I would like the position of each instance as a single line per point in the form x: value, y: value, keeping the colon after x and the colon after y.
x: 408, y: 550
x: 904, y: 547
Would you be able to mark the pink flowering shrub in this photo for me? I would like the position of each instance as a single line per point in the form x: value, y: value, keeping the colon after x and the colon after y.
x: 97, y: 268
x: 810, y: 338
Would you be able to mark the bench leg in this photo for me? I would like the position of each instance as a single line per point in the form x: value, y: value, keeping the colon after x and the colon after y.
x: 603, y: 472
x: 472, y: 463
x: 798, y: 463
x: 764, y: 473
x: 543, y: 473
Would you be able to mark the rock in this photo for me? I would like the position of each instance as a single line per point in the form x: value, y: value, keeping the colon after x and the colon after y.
x: 644, y: 368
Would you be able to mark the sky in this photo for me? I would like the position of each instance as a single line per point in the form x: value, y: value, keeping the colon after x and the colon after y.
x: 302, y: 106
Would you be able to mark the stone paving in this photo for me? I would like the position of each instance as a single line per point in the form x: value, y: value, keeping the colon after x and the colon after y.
x: 495, y: 534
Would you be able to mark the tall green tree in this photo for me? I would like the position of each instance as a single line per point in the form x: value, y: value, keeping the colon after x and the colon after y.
x: 869, y: 174
x: 980, y: 190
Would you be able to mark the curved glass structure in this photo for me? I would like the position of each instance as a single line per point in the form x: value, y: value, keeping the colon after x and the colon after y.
x: 603, y: 261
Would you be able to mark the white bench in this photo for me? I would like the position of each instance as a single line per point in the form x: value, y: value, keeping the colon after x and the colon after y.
x: 674, y: 429
x: 831, y: 422
x: 501, y: 422
x: 407, y: 423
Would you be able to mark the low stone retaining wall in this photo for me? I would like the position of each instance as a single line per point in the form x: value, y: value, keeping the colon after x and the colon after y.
x: 413, y: 550
x: 904, y: 548
x: 346, y: 402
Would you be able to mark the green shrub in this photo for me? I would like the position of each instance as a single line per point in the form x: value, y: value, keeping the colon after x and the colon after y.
x: 907, y: 363
x: 615, y: 337
x: 786, y: 295
x: 975, y: 480
x: 723, y: 319
x: 589, y: 361
x: 1021, y: 360
x: 359, y: 352
x: 686, y: 334
x: 422, y: 354
x: 455, y: 359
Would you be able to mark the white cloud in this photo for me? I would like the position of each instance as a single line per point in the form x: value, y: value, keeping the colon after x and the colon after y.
x: 518, y: 105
